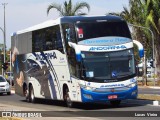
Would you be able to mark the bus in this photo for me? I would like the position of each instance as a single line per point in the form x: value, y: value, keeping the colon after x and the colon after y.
x: 87, y: 59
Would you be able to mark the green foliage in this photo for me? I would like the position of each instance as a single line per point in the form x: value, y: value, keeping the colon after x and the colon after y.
x: 144, y: 13
x: 68, y: 9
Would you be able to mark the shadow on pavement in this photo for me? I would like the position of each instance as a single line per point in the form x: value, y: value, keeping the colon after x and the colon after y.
x: 95, y: 106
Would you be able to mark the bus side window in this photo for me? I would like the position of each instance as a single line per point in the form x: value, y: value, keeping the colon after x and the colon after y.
x: 72, y: 61
x: 69, y: 33
x: 49, y: 45
x: 58, y: 42
x: 51, y: 39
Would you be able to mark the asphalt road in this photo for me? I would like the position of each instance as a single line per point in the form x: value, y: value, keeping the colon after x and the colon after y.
x: 99, y: 111
x: 147, y: 90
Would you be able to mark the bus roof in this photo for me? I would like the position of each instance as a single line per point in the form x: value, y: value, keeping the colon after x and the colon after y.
x: 69, y: 19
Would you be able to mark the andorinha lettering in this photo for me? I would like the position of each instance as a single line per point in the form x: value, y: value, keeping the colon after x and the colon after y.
x: 107, y: 48
x: 51, y: 55
x: 114, y: 85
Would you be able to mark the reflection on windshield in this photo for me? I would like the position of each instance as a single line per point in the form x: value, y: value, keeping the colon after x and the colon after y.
x: 2, y: 79
x: 102, y: 29
x: 107, y: 66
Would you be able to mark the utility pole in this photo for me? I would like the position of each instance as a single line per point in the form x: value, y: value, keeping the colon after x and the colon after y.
x: 3, y: 38
x: 4, y: 5
x: 145, y: 69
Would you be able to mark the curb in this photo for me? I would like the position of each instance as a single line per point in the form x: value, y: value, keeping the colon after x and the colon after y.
x: 154, y: 87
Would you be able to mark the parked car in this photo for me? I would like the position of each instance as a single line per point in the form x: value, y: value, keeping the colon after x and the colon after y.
x: 9, y: 76
x: 4, y: 86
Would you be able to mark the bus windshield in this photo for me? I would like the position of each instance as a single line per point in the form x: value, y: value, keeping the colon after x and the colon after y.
x: 102, y: 29
x: 108, y: 67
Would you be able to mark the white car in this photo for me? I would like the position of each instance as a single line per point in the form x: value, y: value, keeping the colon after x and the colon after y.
x: 4, y: 86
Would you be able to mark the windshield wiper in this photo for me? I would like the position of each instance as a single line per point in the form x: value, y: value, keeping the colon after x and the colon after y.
x: 123, y: 75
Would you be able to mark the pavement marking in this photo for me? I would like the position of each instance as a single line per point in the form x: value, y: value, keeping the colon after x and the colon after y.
x: 154, y: 87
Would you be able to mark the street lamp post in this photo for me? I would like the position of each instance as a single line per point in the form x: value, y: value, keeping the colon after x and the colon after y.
x: 4, y: 33
x: 3, y: 38
x: 4, y: 30
x: 152, y: 44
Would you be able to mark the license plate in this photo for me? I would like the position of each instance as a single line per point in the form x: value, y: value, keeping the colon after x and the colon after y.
x: 112, y: 97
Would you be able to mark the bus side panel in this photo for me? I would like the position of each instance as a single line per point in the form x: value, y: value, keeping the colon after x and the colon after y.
x: 46, y: 71
x: 19, y: 75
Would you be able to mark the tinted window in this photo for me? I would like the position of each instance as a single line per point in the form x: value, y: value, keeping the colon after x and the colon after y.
x: 47, y: 39
x: 69, y: 32
x: 100, y: 66
x: 102, y: 29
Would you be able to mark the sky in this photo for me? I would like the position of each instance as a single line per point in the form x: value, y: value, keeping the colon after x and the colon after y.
x: 21, y: 14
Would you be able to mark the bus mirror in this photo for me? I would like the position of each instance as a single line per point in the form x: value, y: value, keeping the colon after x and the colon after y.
x: 68, y: 37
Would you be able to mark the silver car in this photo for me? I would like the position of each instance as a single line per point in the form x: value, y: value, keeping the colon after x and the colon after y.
x: 9, y: 77
x: 4, y: 86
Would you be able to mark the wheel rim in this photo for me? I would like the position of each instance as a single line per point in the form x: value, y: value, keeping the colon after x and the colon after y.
x: 31, y: 95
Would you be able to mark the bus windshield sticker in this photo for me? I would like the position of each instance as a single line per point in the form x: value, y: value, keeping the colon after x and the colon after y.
x: 114, y: 74
x: 90, y: 74
x: 80, y: 33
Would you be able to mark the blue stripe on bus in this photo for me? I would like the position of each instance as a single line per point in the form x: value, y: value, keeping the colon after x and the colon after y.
x: 52, y: 87
x: 51, y: 79
x: 53, y: 71
x: 141, y: 53
x: 78, y: 57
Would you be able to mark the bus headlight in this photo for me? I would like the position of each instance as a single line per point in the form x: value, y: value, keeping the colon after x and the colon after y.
x: 90, y: 88
x: 87, y: 87
x: 132, y: 85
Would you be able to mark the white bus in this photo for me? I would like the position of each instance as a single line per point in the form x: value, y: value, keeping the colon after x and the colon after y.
x: 75, y: 59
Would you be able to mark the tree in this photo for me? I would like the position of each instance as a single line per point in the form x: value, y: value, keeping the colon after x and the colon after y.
x: 67, y: 9
x: 145, y: 13
x: 136, y: 14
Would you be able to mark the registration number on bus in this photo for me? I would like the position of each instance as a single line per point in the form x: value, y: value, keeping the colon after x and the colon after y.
x: 112, y: 97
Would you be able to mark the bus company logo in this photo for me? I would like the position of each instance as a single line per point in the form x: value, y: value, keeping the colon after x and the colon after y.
x: 112, y: 85
x: 107, y: 48
x: 44, y: 56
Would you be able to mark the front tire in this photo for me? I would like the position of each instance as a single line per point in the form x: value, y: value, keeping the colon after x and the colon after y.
x: 26, y: 93
x: 31, y: 95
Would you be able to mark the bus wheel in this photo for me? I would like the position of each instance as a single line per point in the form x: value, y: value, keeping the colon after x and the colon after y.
x: 67, y: 98
x: 115, y: 103
x: 25, y: 92
x: 31, y: 94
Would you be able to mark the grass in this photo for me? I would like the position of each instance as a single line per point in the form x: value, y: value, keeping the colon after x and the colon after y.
x: 149, y: 83
x: 149, y: 97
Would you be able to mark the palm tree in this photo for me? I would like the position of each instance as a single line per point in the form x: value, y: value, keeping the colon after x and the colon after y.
x: 67, y: 9
x: 145, y: 13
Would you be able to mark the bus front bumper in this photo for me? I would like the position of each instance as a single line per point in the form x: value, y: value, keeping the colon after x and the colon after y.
x: 90, y: 96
